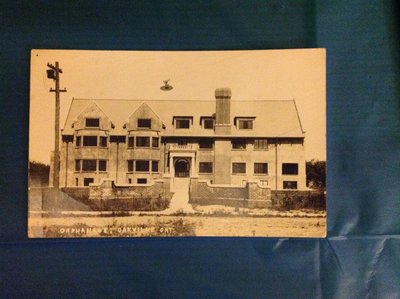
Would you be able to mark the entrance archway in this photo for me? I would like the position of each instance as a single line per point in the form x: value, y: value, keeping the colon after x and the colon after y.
x: 182, y: 168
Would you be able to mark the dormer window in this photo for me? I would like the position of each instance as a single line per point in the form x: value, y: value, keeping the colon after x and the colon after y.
x: 182, y: 122
x: 244, y: 123
x: 92, y: 122
x: 207, y: 122
x: 144, y: 123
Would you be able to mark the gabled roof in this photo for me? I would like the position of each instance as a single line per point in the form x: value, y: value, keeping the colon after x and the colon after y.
x: 272, y: 118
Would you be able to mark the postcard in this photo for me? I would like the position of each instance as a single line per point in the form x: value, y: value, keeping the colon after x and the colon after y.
x: 177, y: 143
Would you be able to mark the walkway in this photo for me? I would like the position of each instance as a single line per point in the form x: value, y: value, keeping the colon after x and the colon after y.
x: 180, y: 199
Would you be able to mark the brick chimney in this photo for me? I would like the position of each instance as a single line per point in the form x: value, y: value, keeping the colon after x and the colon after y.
x: 222, y: 146
x: 223, y: 110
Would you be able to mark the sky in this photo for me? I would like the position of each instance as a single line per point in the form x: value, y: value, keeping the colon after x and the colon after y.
x: 252, y: 75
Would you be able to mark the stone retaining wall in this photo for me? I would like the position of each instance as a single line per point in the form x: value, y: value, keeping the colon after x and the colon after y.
x: 139, y: 197
x: 252, y: 195
x: 108, y: 190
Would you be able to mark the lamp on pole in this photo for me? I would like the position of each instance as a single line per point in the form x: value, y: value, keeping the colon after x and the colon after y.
x: 54, y: 73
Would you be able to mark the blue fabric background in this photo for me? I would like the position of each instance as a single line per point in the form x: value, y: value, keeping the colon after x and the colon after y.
x: 360, y: 256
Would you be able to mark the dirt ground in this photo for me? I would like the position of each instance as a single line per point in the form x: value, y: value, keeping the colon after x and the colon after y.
x: 165, y: 225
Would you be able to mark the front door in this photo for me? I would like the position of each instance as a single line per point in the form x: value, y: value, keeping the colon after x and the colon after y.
x: 182, y: 168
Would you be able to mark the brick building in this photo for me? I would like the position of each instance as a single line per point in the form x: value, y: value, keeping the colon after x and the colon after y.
x: 225, y: 141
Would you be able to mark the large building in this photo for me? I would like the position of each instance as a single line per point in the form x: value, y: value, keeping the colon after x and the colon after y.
x: 225, y: 141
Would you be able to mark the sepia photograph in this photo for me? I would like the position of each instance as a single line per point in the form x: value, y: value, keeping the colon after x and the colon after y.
x: 177, y: 143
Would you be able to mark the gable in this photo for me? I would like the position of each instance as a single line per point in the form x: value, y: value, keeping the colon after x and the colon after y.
x: 144, y: 112
x: 92, y: 112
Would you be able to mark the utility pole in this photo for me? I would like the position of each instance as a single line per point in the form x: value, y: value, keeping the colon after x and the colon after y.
x: 54, y: 73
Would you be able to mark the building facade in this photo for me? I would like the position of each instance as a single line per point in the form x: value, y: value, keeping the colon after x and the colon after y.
x: 222, y: 140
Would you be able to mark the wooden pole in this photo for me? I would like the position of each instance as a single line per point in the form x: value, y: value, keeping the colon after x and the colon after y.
x: 56, y: 180
x: 56, y: 166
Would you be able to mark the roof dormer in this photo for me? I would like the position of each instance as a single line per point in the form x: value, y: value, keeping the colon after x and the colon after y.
x: 244, y: 122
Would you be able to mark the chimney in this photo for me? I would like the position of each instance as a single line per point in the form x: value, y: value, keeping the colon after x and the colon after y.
x: 223, y: 110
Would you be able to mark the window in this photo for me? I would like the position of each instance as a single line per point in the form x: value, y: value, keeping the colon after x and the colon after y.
x: 129, y: 181
x: 102, y: 165
x: 260, y: 168
x: 182, y: 123
x: 238, y: 168
x: 87, y: 181
x: 208, y: 123
x: 260, y: 143
x: 89, y: 165
x: 239, y: 143
x: 205, y: 167
x: 154, y: 166
x: 103, y: 141
x: 142, y: 165
x: 289, y: 185
x: 76, y: 182
x: 92, y: 122
x: 130, y: 165
x: 141, y: 181
x: 182, y: 141
x: 290, y: 168
x: 144, y: 123
x: 154, y: 142
x: 206, y: 143
x: 131, y: 141
x: 245, y: 124
x: 143, y: 141
x: 78, y: 140
x: 89, y: 140
x: 77, y: 165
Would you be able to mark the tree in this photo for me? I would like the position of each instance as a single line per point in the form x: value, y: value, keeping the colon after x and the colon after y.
x: 40, y: 172
x: 316, y: 174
